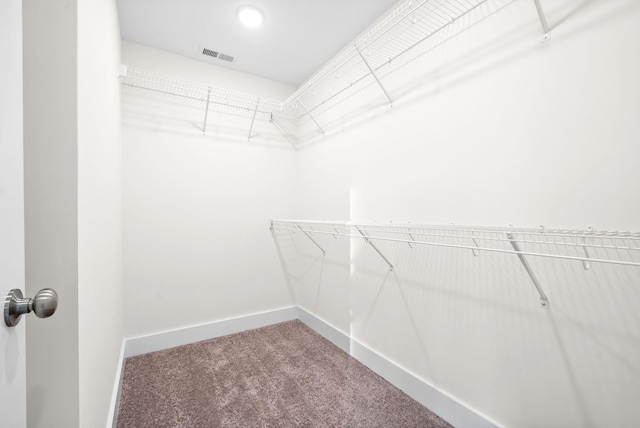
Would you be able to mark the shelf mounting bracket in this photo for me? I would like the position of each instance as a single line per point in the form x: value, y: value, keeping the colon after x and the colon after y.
x: 411, y: 244
x: 476, y: 251
x: 255, y: 111
x: 375, y: 76
x: 206, y: 112
x: 544, y: 301
x: 286, y: 136
x: 312, y: 118
x: 543, y: 20
x: 310, y: 237
x: 368, y: 241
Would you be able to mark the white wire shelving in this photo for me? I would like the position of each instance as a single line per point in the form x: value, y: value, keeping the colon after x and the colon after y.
x: 200, y: 95
x: 393, y: 41
x: 585, y: 246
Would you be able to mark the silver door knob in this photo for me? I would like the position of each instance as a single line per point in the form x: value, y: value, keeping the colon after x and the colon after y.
x: 43, y: 304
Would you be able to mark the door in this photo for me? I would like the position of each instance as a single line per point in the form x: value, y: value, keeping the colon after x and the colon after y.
x: 13, y: 407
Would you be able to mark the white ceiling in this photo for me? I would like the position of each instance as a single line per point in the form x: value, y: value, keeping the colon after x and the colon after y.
x: 296, y: 39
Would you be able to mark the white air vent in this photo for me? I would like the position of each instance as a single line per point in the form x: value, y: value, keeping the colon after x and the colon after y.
x: 226, y: 57
x: 209, y: 52
x: 216, y: 54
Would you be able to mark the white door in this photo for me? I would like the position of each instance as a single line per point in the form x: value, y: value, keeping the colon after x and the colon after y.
x: 13, y: 409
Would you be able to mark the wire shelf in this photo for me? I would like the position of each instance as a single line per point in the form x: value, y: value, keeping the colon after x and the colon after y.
x: 198, y: 94
x: 586, y: 246
x: 397, y: 38
x: 557, y: 243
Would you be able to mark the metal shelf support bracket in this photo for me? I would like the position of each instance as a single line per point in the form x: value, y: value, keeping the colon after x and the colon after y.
x: 585, y: 263
x: 286, y: 136
x: 253, y: 120
x: 368, y: 241
x: 544, y: 301
x: 206, y: 112
x: 411, y: 244
x: 310, y: 237
x: 543, y: 20
x: 312, y: 118
x: 375, y: 76
x: 476, y: 251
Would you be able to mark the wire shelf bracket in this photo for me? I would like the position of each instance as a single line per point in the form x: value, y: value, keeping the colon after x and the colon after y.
x: 375, y: 76
x: 312, y: 118
x: 411, y: 244
x: 368, y: 241
x: 543, y: 20
x: 475, y: 251
x: 544, y: 301
x: 311, y: 238
x: 253, y: 120
x: 284, y: 133
x: 206, y: 113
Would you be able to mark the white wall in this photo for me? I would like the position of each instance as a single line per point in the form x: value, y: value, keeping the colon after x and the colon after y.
x: 490, y: 127
x: 100, y: 300
x: 73, y: 215
x: 493, y: 127
x: 197, y: 246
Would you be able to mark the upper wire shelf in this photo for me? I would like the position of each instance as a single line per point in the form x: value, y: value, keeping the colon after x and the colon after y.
x: 394, y: 40
x: 197, y: 93
x: 586, y: 246
x: 388, y: 45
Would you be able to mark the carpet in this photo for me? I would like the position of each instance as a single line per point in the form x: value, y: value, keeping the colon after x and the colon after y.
x: 284, y: 375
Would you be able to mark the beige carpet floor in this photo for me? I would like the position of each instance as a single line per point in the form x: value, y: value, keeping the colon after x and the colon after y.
x: 284, y: 375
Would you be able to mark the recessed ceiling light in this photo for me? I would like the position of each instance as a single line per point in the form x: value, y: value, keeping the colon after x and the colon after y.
x: 250, y: 16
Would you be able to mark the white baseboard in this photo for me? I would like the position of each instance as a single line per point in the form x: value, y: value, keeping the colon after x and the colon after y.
x: 324, y: 329
x: 117, y: 388
x: 445, y: 406
x: 183, y: 336
x: 429, y: 396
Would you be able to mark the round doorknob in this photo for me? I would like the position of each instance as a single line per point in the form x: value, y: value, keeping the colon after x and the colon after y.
x: 43, y: 304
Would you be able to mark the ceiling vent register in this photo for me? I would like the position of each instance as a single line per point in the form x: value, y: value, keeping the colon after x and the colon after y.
x: 209, y: 52
x: 218, y: 55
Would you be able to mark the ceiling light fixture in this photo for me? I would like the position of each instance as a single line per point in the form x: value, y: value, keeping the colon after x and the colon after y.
x: 250, y: 16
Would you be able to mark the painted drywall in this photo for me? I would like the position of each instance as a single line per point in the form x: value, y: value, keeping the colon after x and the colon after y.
x: 316, y: 274
x: 197, y: 245
x: 100, y: 298
x: 494, y: 127
x: 73, y: 208
x: 51, y: 208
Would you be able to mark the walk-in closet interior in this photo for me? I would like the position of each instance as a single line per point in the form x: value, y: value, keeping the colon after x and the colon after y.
x: 451, y: 197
